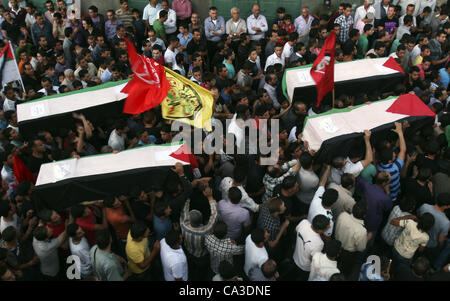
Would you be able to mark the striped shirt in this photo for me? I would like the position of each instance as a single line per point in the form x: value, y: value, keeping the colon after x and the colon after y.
x: 394, y: 169
x: 194, y: 238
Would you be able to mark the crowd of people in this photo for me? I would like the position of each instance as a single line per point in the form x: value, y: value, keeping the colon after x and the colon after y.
x: 235, y: 219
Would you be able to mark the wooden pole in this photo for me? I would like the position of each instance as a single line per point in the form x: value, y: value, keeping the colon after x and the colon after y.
x: 333, y: 98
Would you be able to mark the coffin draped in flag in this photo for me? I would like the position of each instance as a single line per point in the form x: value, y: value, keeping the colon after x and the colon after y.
x: 9, y: 69
x: 187, y: 102
x: 64, y: 183
x: 334, y: 132
x: 361, y: 76
x: 322, y: 71
x: 149, y: 85
x: 54, y: 112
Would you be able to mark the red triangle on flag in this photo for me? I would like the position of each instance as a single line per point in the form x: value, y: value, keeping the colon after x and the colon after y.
x: 409, y: 104
x: 392, y: 63
x: 184, y: 154
x: 21, y: 171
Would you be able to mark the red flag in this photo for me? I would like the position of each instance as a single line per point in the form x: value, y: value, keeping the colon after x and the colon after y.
x: 392, y: 63
x: 411, y: 105
x: 21, y: 171
x: 322, y: 70
x: 149, y: 85
x: 184, y: 154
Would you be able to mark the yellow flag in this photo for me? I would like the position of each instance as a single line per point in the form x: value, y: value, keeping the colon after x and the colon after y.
x: 187, y: 102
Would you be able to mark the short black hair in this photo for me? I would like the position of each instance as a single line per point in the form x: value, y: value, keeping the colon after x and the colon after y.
x: 172, y: 238
x: 77, y: 211
x: 320, y: 222
x: 102, y: 238
x: 426, y: 222
x: 306, y: 160
x: 220, y: 230
x: 9, y: 234
x: 332, y: 248
x: 257, y: 236
x: 138, y: 229
x: 289, y: 182
x: 329, y: 197
x: 235, y: 195
x: 360, y: 209
x: 72, y: 229
x: 40, y: 233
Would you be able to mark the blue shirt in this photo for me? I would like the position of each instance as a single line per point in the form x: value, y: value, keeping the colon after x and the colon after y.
x: 231, y: 70
x: 161, y: 226
x: 444, y: 77
x: 378, y: 203
x: 183, y: 42
x: 210, y: 27
x: 394, y: 169
x: 111, y: 29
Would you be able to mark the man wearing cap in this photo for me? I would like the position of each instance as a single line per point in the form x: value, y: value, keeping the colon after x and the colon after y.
x: 362, y: 12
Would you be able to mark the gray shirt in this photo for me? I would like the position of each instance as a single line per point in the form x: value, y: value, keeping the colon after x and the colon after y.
x: 308, y: 185
x: 106, y: 265
x: 441, y: 224
x: 47, y: 251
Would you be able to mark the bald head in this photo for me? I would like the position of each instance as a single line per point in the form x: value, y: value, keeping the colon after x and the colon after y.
x: 196, y: 218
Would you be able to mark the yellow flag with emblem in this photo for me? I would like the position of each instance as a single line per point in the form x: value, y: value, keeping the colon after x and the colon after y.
x: 187, y: 102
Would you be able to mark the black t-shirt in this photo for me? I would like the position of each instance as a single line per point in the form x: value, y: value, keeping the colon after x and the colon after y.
x: 254, y: 177
x: 12, y: 30
x: 291, y: 202
x: 194, y: 46
x: 30, y: 82
x: 421, y: 193
x: 404, y: 273
x: 34, y: 164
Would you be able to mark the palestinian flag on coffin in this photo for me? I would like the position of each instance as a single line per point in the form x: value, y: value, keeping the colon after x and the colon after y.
x: 8, y: 66
x: 64, y: 183
x: 334, y: 132
x: 360, y: 76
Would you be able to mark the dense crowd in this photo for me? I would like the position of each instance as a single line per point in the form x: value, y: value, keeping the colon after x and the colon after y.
x: 235, y: 219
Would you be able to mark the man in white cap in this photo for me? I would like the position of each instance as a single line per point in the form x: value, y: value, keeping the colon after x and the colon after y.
x: 363, y: 10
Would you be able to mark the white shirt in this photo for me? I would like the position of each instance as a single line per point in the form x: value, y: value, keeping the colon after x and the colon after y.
x: 316, y: 208
x: 288, y: 50
x: 47, y: 251
x: 174, y: 262
x: 246, y: 201
x: 309, y: 182
x: 259, y: 22
x: 415, y: 53
x: 116, y: 142
x: 238, y: 132
x: 353, y: 168
x: 254, y: 256
x: 150, y: 13
x: 46, y: 93
x: 170, y: 25
x: 4, y: 224
x: 308, y: 242
x: 274, y: 59
x: 301, y: 25
x: 361, y: 13
x: 169, y: 56
x: 272, y: 92
x: 178, y: 68
x: 322, y: 268
x: 106, y: 76
x: 9, y: 105
x: 292, y: 137
x: 8, y: 175
x: 82, y: 251
x: 29, y: 20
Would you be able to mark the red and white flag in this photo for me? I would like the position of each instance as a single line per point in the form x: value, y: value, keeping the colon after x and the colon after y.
x: 322, y: 70
x: 149, y: 85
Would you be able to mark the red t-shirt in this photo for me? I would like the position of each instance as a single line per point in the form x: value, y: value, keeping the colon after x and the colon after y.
x: 88, y: 226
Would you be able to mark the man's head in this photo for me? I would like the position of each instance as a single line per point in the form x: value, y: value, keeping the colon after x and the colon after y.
x: 174, y: 239
x: 332, y: 249
x: 42, y: 233
x: 290, y: 186
x: 93, y: 11
x: 220, y: 230
x: 278, y: 49
x: 276, y: 206
x: 269, y: 269
x: 256, y: 10
x: 124, y: 5
x: 235, y: 195
x: 441, y: 36
x: 421, y: 266
x: 360, y: 209
x: 409, y: 11
x: 347, y: 10
x: 443, y: 201
x: 408, y: 20
x: 103, y: 238
x: 391, y: 11
x: 348, y: 181
x: 75, y: 231
x: 139, y: 230
x: 300, y: 108
x: 195, y: 218
x: 321, y: 223
x: 329, y: 197
x: 305, y: 12
x: 163, y: 15
x: 213, y: 12
x: 259, y: 237
x: 414, y: 73
x: 162, y: 209
x: 382, y: 179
